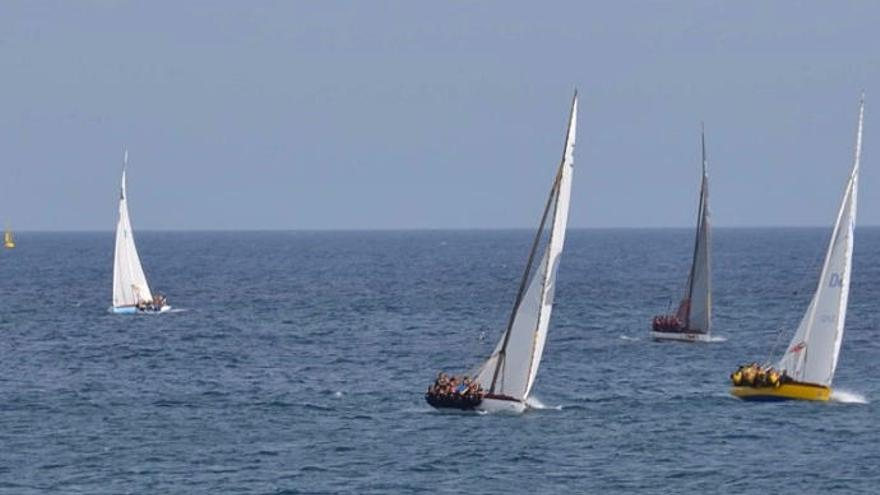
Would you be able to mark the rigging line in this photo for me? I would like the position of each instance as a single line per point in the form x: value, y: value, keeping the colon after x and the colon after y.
x: 805, y: 282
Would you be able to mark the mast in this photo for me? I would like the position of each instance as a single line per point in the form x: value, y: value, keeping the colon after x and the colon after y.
x: 554, y: 194
x: 124, y: 170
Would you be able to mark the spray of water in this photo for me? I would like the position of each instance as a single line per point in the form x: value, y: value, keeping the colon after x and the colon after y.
x: 535, y: 403
x: 848, y: 397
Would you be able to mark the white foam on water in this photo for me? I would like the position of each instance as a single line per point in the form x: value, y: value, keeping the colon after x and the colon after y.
x: 717, y: 338
x: 847, y: 397
x: 337, y: 394
x: 535, y: 403
x: 153, y: 313
x: 627, y: 337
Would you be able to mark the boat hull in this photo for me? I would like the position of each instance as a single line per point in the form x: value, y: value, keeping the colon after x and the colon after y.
x: 452, y: 402
x: 681, y: 336
x: 506, y: 405
x: 489, y: 404
x: 786, y: 391
x: 132, y: 310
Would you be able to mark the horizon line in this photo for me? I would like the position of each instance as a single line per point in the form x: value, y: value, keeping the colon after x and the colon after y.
x: 421, y: 229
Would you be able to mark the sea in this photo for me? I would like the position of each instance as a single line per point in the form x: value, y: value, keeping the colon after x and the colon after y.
x: 296, y: 362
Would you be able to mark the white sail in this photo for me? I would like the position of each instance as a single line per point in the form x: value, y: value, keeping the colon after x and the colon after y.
x: 811, y: 356
x: 129, y: 282
x: 698, y: 302
x: 525, y: 331
x: 512, y: 368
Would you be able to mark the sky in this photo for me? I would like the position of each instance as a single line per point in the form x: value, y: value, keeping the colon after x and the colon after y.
x: 432, y: 115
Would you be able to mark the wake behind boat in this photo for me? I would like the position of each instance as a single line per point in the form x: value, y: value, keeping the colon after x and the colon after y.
x: 806, y: 370
x: 503, y: 383
x: 693, y: 320
x: 131, y: 292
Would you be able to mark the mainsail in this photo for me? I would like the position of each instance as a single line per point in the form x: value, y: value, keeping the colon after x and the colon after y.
x: 695, y: 310
x: 513, y: 366
x: 129, y: 282
x: 811, y: 356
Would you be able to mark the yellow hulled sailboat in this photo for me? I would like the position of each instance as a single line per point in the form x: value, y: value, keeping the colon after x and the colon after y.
x: 8, y: 239
x: 806, y: 370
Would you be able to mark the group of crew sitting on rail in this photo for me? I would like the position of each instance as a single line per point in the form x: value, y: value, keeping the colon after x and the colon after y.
x: 755, y: 375
x: 666, y: 323
x: 454, y: 387
x: 156, y: 304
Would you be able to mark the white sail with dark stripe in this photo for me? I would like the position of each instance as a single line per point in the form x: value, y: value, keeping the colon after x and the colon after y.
x: 698, y: 302
x: 692, y: 322
x: 513, y: 366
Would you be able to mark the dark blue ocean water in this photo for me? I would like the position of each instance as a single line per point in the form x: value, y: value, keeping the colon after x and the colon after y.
x: 300, y: 359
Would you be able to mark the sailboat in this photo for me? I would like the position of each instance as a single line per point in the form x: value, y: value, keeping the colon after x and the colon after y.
x: 131, y: 292
x: 806, y: 370
x: 693, y: 320
x: 8, y: 239
x: 505, y: 380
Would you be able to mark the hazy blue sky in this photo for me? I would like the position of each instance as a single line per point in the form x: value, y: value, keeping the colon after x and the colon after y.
x: 265, y: 115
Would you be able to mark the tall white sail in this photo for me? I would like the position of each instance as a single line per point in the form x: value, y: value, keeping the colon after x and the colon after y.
x: 697, y: 305
x: 811, y: 356
x: 129, y: 282
x: 513, y: 366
